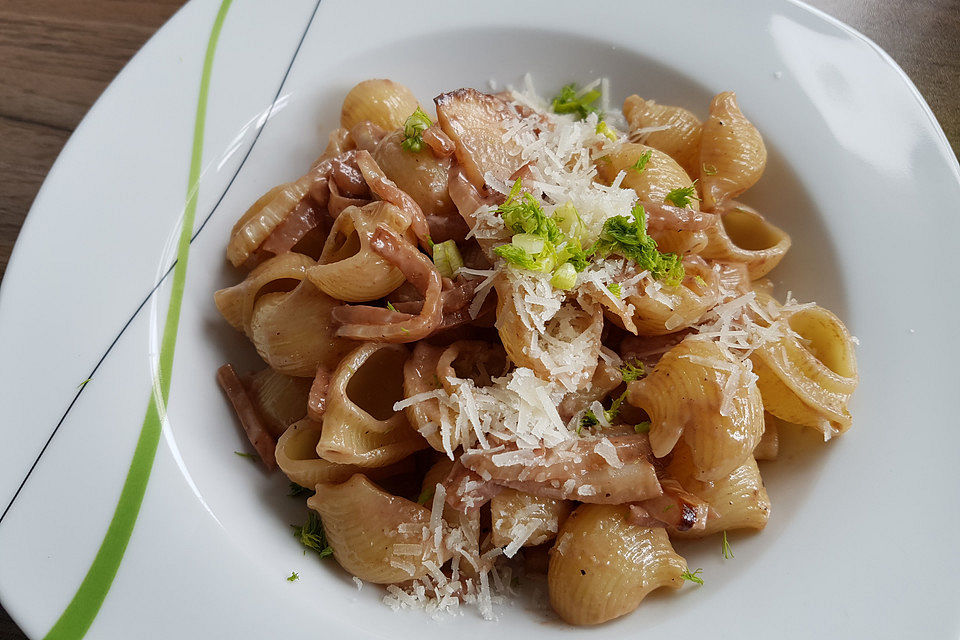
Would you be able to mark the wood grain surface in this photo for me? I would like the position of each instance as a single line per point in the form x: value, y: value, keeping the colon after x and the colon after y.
x: 57, y: 56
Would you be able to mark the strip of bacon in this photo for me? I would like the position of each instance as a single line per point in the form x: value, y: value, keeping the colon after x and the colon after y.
x: 363, y: 322
x: 440, y: 143
x: 387, y: 189
x: 662, y: 216
x: 292, y: 230
x: 466, y: 491
x: 677, y: 508
x: 253, y: 426
x: 576, y: 472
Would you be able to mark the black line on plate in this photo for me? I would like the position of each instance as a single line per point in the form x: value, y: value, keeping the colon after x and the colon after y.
x: 159, y: 282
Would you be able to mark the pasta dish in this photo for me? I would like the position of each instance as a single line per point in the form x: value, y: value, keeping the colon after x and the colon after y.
x: 515, y: 337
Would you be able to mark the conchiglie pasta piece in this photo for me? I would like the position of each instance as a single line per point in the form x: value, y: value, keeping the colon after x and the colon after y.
x: 659, y: 310
x: 737, y: 501
x: 744, y: 235
x: 431, y: 368
x: 661, y: 175
x: 700, y: 391
x: 375, y: 536
x: 602, y: 566
x: 236, y: 303
x: 359, y: 424
x: 259, y: 221
x: 281, y: 400
x: 732, y: 153
x: 572, y: 335
x: 479, y: 124
x: 680, y: 242
x: 769, y: 446
x: 383, y: 102
x: 464, y: 542
x: 420, y: 376
x: 808, y: 378
x: 293, y: 332
x: 297, y: 458
x: 523, y: 520
x: 673, y: 130
x: 420, y: 175
x: 349, y: 269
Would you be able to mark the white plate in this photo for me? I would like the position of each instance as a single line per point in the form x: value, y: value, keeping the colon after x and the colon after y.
x: 862, y: 538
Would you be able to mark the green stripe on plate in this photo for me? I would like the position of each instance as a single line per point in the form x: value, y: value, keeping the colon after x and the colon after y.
x: 83, y: 608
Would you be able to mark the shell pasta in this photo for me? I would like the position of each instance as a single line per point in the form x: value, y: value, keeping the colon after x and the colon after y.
x: 509, y: 338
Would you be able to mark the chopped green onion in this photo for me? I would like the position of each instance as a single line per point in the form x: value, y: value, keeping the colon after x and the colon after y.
x: 530, y: 243
x: 293, y: 577
x: 614, y: 288
x: 606, y: 131
x: 564, y: 277
x: 516, y: 256
x: 447, y: 257
x: 413, y: 130
x: 568, y: 219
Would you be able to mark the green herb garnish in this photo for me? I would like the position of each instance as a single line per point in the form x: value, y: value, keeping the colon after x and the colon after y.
x: 243, y: 454
x: 539, y: 242
x: 629, y: 238
x: 682, y: 196
x: 642, y: 161
x: 725, y: 547
x: 84, y: 383
x: 589, y: 419
x: 567, y: 101
x: 709, y: 170
x: 523, y: 214
x: 643, y: 427
x: 413, y: 130
x: 391, y: 307
x: 293, y: 577
x: 427, y: 495
x: 517, y: 256
x: 296, y: 490
x: 311, y: 536
x: 692, y: 577
x: 614, y: 288
x: 631, y: 372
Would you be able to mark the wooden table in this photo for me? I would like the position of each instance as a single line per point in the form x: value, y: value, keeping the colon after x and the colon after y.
x: 57, y: 56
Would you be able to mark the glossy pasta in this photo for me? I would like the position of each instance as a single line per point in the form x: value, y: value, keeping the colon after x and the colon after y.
x: 508, y: 337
